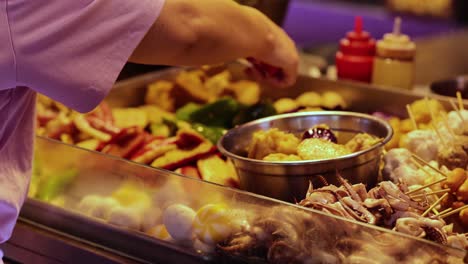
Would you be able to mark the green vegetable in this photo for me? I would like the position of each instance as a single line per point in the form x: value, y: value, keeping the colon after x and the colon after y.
x: 159, y: 130
x: 254, y: 112
x: 172, y: 126
x: 166, y: 129
x: 217, y: 114
x: 185, y: 111
x: 54, y: 184
x: 213, y: 134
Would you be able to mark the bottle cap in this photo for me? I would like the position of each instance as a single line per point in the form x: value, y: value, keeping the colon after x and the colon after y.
x: 395, y: 44
x: 358, y: 41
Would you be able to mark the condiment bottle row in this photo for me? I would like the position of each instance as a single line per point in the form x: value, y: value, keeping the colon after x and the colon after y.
x: 387, y: 62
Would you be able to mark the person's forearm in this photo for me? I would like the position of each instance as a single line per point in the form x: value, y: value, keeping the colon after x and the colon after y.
x: 206, y: 31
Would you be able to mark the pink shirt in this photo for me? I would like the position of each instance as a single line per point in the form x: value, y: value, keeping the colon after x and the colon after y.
x: 71, y: 51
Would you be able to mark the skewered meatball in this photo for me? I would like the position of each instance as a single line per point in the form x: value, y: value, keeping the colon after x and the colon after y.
x: 453, y: 157
x: 423, y: 143
x: 400, y: 159
x: 458, y: 126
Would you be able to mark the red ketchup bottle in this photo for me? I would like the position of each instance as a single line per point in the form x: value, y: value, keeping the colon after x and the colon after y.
x: 355, y: 57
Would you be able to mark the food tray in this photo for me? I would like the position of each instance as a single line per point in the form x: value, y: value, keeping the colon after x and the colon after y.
x: 97, y: 172
x: 360, y: 97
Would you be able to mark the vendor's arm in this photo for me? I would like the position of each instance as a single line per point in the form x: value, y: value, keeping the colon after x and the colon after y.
x: 191, y: 32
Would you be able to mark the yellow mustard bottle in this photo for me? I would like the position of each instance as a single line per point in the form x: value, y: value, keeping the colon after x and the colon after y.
x: 394, y: 60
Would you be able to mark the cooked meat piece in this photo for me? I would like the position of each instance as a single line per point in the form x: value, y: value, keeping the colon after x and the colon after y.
x: 272, y: 141
x: 423, y: 143
x: 453, y: 157
x: 362, y: 141
x: 458, y: 126
x: 315, y: 148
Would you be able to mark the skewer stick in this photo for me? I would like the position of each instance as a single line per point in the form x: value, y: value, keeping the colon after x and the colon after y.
x: 444, y: 120
x: 411, y: 116
x: 425, y: 186
x: 455, y: 108
x: 447, y: 126
x: 426, y: 100
x: 460, y: 101
x: 433, y: 124
x: 442, y: 140
x: 445, y: 211
x: 433, y: 118
x: 453, y: 211
x: 430, y: 193
x: 427, y: 164
x: 434, y: 204
x: 420, y: 167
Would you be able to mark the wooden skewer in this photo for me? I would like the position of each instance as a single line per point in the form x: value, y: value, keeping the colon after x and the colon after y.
x: 445, y: 211
x: 447, y: 126
x: 460, y: 101
x: 429, y: 165
x: 430, y: 193
x: 420, y: 167
x: 434, y: 204
x: 425, y: 186
x: 442, y: 140
x: 444, y: 120
x: 453, y: 211
x: 455, y: 108
x: 433, y: 118
x: 426, y: 100
x: 411, y: 116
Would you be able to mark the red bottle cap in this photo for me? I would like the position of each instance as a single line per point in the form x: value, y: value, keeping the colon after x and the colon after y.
x: 358, y: 42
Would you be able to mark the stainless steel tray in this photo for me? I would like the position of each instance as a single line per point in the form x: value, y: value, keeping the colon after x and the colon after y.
x: 98, y: 172
x: 360, y: 97
x: 146, y: 249
x: 132, y: 245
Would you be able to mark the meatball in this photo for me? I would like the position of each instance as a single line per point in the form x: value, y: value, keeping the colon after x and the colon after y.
x: 423, y: 143
x: 453, y: 157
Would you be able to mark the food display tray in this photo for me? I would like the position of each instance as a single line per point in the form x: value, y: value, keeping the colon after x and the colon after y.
x: 97, y: 171
x: 359, y: 97
x: 145, y: 249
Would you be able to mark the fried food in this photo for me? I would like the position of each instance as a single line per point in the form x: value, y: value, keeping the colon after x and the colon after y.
x: 315, y: 148
x: 272, y: 141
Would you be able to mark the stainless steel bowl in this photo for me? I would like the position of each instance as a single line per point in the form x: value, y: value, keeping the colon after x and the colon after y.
x: 289, y: 180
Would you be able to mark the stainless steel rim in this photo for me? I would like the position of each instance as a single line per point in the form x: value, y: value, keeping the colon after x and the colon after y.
x: 382, y: 122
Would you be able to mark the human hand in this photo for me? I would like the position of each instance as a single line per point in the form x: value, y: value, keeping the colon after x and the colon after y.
x: 278, y: 62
